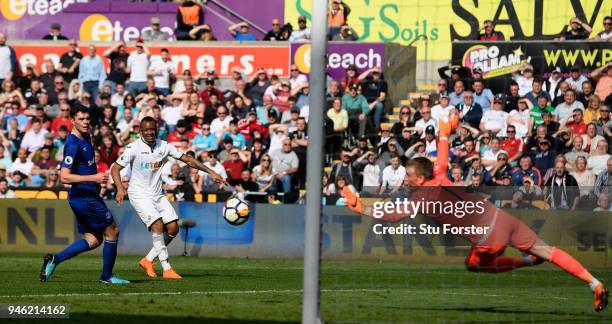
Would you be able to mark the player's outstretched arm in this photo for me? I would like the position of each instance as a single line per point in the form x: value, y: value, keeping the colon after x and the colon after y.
x: 116, y: 175
x: 193, y: 163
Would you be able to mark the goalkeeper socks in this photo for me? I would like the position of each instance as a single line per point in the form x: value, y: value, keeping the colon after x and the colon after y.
x: 109, y: 254
x: 570, y: 265
x: 72, y: 250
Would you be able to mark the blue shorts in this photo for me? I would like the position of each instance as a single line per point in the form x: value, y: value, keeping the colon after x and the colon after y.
x: 91, y: 213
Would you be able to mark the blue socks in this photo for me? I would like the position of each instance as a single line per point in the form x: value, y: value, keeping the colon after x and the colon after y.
x: 109, y: 254
x: 71, y: 251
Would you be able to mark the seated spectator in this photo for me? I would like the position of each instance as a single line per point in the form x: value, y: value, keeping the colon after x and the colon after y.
x: 494, y: 120
x: 603, y: 202
x: 357, y: 108
x: 234, y: 166
x: 202, y: 33
x: 392, y: 176
x: 592, y: 112
x: 512, y: 145
x: 302, y: 34
x: 576, y: 79
x: 347, y: 34
x: 22, y: 163
x: 189, y: 15
x: 52, y: 180
x: 350, y: 78
x: 221, y: 124
x: 591, y: 139
x: 584, y: 177
x: 245, y: 183
x: 456, y: 97
x: 238, y: 140
x: 526, y: 194
x: 56, y: 33
x: 456, y: 176
x: 35, y: 137
x: 564, y: 110
x: 577, y: 151
x: 5, y: 192
x: 561, y: 189
x: 576, y: 124
x: 343, y: 167
x: 524, y: 170
x: 537, y: 91
x: 552, y: 127
x: 276, y: 33
x: 483, y: 96
x: 523, y: 76
x: 606, y: 33
x: 552, y: 84
x: 443, y: 109
x: 520, y: 119
x: 469, y: 111
x: 489, y: 33
x: 264, y: 175
x: 544, y: 158
x: 241, y: 33
x: 578, y: 30
x: 586, y: 93
x: 154, y: 32
x: 286, y: 163
x: 45, y: 162
x: 205, y: 181
x: 603, y: 181
x: 536, y: 110
x: 598, y: 160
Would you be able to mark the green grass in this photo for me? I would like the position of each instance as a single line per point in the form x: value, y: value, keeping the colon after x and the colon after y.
x: 268, y: 291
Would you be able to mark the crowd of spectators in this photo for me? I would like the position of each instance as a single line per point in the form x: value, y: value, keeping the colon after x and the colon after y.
x: 545, y: 139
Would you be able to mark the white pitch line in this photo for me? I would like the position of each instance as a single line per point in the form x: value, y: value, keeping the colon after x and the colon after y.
x: 286, y: 291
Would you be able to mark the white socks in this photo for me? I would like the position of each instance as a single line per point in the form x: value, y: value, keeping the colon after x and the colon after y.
x: 593, y: 284
x: 159, y: 250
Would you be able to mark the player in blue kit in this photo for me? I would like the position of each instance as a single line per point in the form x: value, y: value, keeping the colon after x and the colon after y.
x: 94, y: 220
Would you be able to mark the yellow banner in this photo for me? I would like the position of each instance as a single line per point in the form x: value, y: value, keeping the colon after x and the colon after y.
x: 444, y: 21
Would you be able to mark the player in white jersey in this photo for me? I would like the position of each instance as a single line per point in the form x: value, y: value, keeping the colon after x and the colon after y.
x: 146, y: 157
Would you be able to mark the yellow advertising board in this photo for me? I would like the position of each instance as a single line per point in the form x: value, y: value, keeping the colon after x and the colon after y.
x: 443, y: 21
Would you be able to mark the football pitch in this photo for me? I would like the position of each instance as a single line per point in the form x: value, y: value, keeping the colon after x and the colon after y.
x: 269, y: 291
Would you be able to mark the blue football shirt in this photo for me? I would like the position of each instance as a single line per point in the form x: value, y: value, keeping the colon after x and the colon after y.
x: 79, y: 157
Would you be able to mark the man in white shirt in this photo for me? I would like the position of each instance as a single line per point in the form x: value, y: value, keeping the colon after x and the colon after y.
x: 137, y: 67
x: 551, y: 86
x: 302, y: 34
x: 162, y: 69
x: 576, y: 79
x: 296, y: 79
x: 524, y: 79
x: 172, y: 113
x: 494, y: 120
x: 146, y: 156
x: 489, y: 159
x: 220, y: 125
x: 118, y: 97
x: 392, y: 175
x: 443, y: 109
x: 207, y: 183
x: 564, y: 110
x: 35, y: 137
x: 425, y: 121
x: 22, y: 163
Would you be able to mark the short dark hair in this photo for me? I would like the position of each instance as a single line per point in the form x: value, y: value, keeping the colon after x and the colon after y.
x: 422, y: 167
x: 78, y: 109
x: 148, y: 119
x: 164, y: 50
x: 538, y: 80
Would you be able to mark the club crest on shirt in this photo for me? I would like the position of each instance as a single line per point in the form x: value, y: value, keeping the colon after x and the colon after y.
x: 68, y: 160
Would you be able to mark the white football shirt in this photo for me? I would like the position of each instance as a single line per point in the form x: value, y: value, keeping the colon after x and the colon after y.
x: 146, y: 164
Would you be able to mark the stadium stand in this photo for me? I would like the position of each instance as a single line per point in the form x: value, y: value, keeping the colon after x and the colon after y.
x: 510, y: 136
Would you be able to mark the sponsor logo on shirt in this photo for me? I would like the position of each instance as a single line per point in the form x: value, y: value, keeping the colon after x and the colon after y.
x: 150, y: 165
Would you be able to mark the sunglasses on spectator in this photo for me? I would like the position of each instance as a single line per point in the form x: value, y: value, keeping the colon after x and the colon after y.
x: 486, y: 137
x: 294, y: 70
x: 65, y: 109
x: 502, y: 159
x: 607, y: 23
x: 264, y: 160
x: 405, y: 113
x: 207, y: 128
x: 604, y: 110
x: 511, y: 131
x: 275, y: 24
x: 304, y: 21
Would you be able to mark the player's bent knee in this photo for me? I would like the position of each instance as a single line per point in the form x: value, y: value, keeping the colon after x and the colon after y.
x: 112, y: 232
x: 172, y: 228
